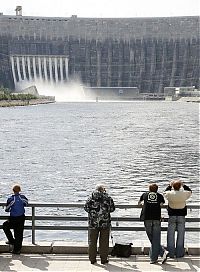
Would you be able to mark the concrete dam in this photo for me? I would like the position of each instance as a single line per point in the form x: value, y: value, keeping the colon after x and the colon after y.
x: 147, y: 53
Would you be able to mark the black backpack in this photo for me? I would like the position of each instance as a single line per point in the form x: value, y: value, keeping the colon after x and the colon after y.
x: 121, y: 250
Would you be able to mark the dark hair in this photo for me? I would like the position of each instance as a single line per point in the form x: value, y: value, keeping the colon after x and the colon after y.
x: 16, y: 188
x: 177, y: 185
x: 153, y: 187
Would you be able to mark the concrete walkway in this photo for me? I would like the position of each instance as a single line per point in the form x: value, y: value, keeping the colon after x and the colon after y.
x: 80, y: 262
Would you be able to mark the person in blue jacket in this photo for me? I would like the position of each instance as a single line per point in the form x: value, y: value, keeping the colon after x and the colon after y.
x: 15, y: 205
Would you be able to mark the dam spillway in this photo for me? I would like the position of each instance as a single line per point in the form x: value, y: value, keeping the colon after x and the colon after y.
x: 148, y: 53
x: 36, y: 67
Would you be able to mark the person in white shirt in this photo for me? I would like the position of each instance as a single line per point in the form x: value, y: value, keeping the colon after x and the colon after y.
x: 176, y: 193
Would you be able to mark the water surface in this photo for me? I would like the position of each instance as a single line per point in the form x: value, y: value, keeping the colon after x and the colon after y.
x: 59, y: 152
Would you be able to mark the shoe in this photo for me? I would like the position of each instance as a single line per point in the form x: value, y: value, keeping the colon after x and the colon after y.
x: 93, y: 262
x: 9, y: 243
x: 16, y: 252
x: 154, y: 262
x: 104, y: 262
x: 165, y: 255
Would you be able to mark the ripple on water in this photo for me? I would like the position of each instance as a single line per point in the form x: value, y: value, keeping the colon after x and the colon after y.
x: 59, y: 152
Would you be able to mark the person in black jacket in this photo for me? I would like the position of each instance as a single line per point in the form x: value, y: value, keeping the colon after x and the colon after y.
x: 152, y: 202
x: 99, y: 206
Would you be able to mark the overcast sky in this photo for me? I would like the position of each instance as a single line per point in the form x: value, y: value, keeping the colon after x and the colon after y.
x: 102, y: 8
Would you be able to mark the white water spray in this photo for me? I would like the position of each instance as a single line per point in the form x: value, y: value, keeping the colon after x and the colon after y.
x: 71, y: 91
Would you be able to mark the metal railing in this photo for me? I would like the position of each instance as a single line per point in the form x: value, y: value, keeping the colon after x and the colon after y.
x: 33, y: 218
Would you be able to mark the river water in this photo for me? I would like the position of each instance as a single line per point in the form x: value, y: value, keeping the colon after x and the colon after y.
x: 59, y: 152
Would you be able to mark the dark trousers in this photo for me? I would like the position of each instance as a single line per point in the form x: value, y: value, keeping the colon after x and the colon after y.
x: 103, y: 235
x: 17, y: 224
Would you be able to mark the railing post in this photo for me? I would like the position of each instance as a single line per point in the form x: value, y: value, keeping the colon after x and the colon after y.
x: 33, y: 225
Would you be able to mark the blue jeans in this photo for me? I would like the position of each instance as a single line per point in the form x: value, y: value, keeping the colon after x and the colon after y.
x: 176, y: 223
x: 153, y: 230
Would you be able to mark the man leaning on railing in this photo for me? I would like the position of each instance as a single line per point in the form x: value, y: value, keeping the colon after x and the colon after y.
x: 151, y: 214
x: 15, y: 205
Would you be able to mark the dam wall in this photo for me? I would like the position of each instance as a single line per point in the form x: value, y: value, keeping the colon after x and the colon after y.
x: 147, y: 53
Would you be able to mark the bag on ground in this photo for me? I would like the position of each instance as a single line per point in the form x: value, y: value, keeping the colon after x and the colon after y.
x: 122, y: 250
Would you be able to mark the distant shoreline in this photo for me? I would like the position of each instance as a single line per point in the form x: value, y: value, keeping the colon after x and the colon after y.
x: 14, y: 103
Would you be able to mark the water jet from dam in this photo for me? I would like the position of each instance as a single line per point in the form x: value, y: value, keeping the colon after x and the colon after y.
x: 71, y: 91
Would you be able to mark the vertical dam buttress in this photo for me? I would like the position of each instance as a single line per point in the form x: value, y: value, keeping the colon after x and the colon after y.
x: 148, y: 53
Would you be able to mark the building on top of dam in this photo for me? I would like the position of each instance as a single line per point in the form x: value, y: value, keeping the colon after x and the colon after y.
x: 147, y: 53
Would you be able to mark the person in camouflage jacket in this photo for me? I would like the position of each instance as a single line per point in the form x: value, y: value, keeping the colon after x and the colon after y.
x: 99, y: 206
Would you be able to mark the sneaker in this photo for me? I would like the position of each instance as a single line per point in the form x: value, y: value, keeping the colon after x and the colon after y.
x: 93, y: 262
x: 9, y: 243
x: 154, y: 262
x: 165, y: 255
x: 104, y: 262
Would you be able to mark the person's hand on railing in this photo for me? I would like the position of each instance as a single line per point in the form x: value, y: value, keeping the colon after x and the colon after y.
x: 162, y: 219
x: 140, y: 204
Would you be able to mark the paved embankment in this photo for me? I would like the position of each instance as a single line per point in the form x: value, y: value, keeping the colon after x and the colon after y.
x: 71, y: 257
x: 80, y: 263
